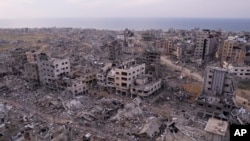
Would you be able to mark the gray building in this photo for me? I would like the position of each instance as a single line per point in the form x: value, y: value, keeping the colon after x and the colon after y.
x: 219, y: 81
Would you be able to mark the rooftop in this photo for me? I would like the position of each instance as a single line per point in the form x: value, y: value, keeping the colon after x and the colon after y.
x: 216, y: 126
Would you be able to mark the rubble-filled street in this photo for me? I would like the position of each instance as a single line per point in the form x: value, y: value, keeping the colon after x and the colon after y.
x: 69, y: 84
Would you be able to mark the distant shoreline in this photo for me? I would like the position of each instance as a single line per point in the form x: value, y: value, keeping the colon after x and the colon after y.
x: 225, y: 24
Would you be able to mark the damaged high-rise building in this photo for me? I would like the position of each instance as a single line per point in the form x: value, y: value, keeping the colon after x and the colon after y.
x: 218, y: 93
x: 206, y: 45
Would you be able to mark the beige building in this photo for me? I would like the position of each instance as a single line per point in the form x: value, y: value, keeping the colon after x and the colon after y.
x: 170, y: 48
x: 206, y: 44
x: 31, y: 71
x: 178, y: 51
x: 217, y: 130
x: 167, y: 45
x: 241, y: 72
x: 51, y: 69
x: 77, y: 86
x: 31, y: 56
x: 102, y: 74
x: 233, y: 52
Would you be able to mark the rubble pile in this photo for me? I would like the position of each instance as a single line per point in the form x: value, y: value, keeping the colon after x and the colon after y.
x: 88, y: 84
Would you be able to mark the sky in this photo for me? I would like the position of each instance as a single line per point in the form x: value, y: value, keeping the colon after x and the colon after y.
x: 18, y: 9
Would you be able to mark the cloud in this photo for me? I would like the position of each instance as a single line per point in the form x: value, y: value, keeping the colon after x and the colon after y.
x: 85, y: 3
x: 143, y: 2
x: 123, y: 8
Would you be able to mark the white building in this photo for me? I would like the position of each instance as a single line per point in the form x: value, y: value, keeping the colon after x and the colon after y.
x: 219, y: 81
x: 102, y: 74
x: 51, y: 69
x: 126, y: 75
x: 243, y: 72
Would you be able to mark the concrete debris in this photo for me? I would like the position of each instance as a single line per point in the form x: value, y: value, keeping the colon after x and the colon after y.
x: 152, y: 128
x: 87, y: 84
x: 129, y: 111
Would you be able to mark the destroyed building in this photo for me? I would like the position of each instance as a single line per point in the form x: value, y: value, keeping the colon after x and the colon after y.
x: 115, y: 51
x: 148, y: 36
x: 125, y: 75
x: 87, y: 75
x: 76, y: 85
x: 162, y: 110
x: 17, y: 60
x: 51, y: 69
x: 219, y: 81
x: 145, y: 85
x: 151, y: 57
x: 152, y: 128
x: 167, y: 45
x: 31, y: 56
x: 102, y: 74
x: 233, y: 52
x: 216, y: 98
x: 31, y: 73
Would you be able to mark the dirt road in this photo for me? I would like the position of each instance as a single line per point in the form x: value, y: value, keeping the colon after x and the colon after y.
x: 184, y: 70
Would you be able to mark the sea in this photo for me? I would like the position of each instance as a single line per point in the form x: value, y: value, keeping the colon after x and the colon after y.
x: 234, y: 25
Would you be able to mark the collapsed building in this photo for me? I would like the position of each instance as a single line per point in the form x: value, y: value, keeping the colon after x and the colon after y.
x: 115, y: 51
x: 128, y: 38
x: 50, y: 69
x: 121, y: 78
x: 217, y: 96
x: 31, y: 73
x: 148, y: 36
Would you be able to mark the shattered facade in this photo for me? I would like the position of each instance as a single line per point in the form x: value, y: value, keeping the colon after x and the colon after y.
x: 219, y: 81
x: 218, y: 93
x: 145, y: 85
